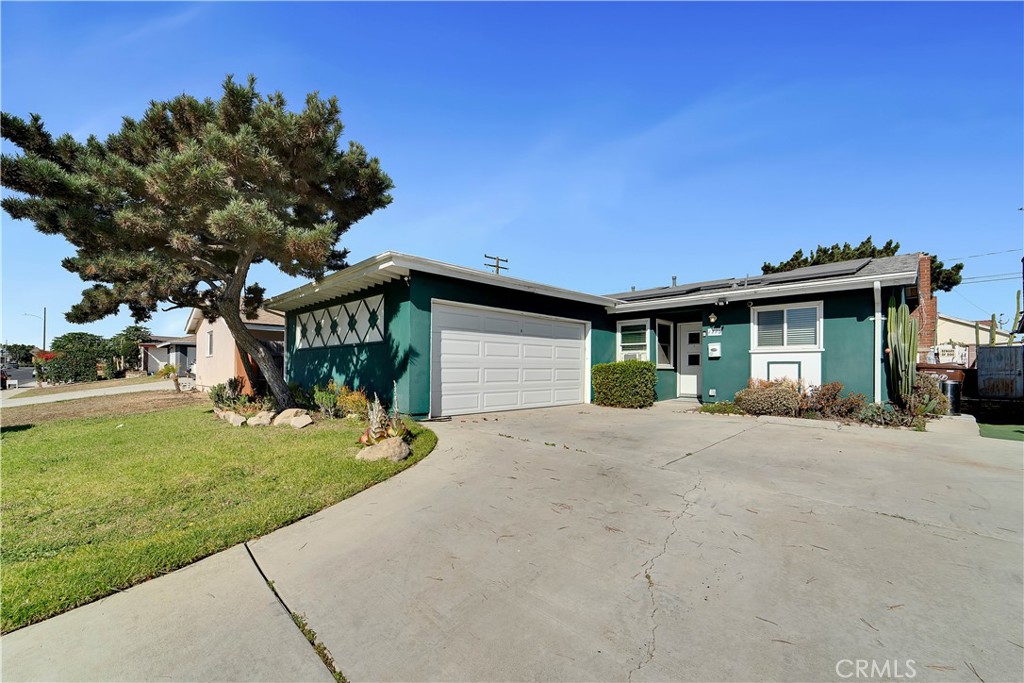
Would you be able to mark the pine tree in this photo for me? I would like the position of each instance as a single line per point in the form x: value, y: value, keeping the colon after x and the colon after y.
x: 942, y: 278
x: 178, y: 205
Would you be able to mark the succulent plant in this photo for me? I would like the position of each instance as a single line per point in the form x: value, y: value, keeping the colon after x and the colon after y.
x: 902, y: 337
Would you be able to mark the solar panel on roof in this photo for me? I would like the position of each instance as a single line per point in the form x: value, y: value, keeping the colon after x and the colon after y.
x: 825, y: 270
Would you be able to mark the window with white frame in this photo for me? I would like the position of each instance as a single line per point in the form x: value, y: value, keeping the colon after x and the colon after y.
x: 633, y: 340
x: 666, y: 344
x: 209, y: 342
x: 796, y: 326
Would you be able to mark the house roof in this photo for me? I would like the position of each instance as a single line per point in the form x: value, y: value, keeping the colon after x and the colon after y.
x: 392, y: 265
x: 189, y: 340
x: 264, y: 320
x: 156, y: 340
x: 844, y: 275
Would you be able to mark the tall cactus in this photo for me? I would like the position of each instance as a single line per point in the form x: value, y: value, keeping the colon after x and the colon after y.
x: 993, y: 327
x: 902, y: 337
x: 1016, y: 322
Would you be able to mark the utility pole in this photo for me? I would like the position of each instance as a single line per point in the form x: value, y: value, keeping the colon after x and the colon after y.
x: 497, y: 263
x: 33, y: 315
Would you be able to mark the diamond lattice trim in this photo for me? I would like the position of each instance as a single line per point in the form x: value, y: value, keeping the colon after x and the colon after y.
x: 348, y: 324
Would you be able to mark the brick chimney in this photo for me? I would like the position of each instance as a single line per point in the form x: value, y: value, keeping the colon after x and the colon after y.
x: 926, y: 312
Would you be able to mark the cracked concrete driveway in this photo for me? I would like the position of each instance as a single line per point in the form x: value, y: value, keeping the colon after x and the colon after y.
x: 584, y: 543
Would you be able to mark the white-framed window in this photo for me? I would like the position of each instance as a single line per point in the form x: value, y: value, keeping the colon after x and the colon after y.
x: 789, y: 327
x: 209, y: 342
x: 633, y: 339
x: 665, y: 343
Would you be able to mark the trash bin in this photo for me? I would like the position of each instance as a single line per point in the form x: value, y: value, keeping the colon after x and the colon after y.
x: 952, y: 389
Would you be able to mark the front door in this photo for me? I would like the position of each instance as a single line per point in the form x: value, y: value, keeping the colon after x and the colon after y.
x: 688, y: 367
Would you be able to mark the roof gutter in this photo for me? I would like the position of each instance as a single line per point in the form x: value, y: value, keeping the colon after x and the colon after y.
x: 753, y: 293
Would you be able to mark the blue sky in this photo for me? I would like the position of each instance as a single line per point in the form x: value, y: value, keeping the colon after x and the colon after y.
x: 596, y: 146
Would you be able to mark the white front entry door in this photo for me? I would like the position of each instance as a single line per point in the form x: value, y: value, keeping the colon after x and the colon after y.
x: 688, y: 363
x: 485, y: 360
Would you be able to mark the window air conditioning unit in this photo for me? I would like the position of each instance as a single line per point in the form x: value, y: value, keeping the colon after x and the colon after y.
x: 632, y: 356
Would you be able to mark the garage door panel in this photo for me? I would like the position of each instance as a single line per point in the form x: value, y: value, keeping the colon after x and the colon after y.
x: 453, y: 320
x: 567, y: 396
x: 501, y: 400
x: 498, y: 349
x: 492, y: 360
x: 538, y: 397
x: 538, y: 351
x: 538, y: 374
x: 501, y: 375
x: 500, y: 325
x: 461, y: 403
x: 571, y: 375
x: 460, y: 375
x: 460, y: 347
x: 569, y: 353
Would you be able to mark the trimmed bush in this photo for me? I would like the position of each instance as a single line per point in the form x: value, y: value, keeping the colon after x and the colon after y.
x: 626, y: 384
x: 73, y: 366
x: 780, y: 397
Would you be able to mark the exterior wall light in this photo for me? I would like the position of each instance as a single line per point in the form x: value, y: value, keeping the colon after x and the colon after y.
x: 712, y: 318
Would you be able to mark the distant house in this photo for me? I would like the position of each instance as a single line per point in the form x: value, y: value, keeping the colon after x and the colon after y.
x: 157, y: 352
x: 451, y: 340
x: 219, y: 359
x: 960, y: 331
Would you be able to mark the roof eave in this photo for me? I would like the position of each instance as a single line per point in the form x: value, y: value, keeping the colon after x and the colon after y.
x: 754, y: 293
x: 390, y: 265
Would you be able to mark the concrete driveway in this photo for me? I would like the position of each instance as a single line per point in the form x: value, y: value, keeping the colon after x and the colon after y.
x: 593, y: 544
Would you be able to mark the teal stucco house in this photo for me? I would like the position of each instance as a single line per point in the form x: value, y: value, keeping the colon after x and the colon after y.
x: 456, y: 340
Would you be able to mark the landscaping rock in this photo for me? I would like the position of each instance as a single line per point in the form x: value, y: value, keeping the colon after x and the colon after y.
x: 301, y: 421
x: 261, y: 419
x: 234, y: 419
x: 393, y: 449
x: 285, y: 417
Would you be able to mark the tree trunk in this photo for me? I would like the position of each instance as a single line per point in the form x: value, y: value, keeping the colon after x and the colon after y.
x: 248, y: 343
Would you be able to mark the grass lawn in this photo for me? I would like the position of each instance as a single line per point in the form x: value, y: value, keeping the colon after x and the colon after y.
x: 92, y: 505
x: 83, y: 386
x: 1010, y: 432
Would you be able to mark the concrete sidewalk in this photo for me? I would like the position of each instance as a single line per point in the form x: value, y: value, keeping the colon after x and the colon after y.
x: 215, y: 620
x: 15, y: 402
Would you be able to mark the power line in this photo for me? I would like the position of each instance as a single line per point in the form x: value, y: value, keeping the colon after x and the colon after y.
x: 991, y: 253
x: 971, y: 302
x: 991, y: 279
x: 978, y: 277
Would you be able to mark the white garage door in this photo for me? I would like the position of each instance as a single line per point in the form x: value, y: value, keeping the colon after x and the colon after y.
x: 484, y: 360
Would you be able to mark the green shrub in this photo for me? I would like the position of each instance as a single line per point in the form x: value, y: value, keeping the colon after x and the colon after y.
x: 219, y: 395
x: 761, y: 397
x: 827, y: 402
x: 626, y: 384
x: 326, y: 399
x: 73, y: 366
x: 721, y: 408
x: 927, y: 399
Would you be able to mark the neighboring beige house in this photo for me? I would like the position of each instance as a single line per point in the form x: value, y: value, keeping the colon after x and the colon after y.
x: 952, y: 332
x: 218, y: 358
x: 157, y: 352
x: 959, y: 331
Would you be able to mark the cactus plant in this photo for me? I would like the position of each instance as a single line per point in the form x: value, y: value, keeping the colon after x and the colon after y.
x: 902, y: 337
x: 1016, y: 321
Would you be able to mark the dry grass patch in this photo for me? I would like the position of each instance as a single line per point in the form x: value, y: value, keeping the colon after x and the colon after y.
x: 99, y: 406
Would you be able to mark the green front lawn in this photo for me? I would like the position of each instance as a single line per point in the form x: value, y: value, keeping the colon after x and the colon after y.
x: 1010, y: 432
x: 93, y: 505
